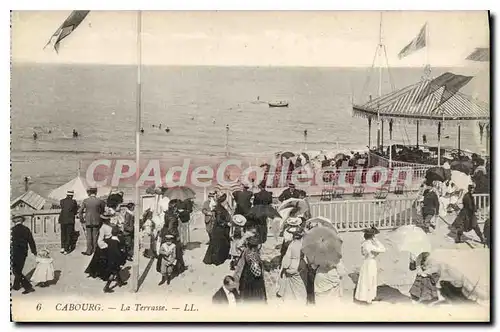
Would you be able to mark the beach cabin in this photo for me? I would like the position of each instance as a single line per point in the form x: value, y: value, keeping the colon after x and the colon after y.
x: 30, y: 201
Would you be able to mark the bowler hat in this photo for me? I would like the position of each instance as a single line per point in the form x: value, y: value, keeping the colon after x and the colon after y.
x: 17, y: 219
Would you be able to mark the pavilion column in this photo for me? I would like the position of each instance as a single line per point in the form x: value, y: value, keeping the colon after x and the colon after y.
x: 439, y: 144
x: 369, y: 133
x: 459, y: 139
x: 418, y: 125
x: 488, y: 139
x: 390, y: 144
x: 481, y: 131
x: 382, y: 136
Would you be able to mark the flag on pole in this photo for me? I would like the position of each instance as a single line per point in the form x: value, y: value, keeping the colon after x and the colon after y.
x: 480, y: 54
x: 69, y: 25
x: 417, y: 43
x: 451, y: 83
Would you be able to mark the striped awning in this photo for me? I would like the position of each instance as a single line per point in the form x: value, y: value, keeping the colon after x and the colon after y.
x: 402, y: 105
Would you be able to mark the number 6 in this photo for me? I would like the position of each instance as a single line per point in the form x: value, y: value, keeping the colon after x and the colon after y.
x: 39, y: 307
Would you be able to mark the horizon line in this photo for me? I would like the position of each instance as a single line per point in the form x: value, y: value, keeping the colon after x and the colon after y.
x: 17, y: 63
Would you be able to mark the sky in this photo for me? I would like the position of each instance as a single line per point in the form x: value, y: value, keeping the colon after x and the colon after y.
x: 250, y: 38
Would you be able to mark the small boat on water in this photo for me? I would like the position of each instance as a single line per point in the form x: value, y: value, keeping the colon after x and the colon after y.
x: 281, y: 103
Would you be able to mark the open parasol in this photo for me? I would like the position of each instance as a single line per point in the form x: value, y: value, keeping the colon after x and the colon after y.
x: 322, y: 246
x: 295, y: 203
x: 180, y: 193
x: 468, y: 269
x: 464, y: 166
x: 260, y: 211
x: 461, y: 180
x: 320, y: 222
x: 411, y: 239
x: 287, y: 155
x: 435, y: 174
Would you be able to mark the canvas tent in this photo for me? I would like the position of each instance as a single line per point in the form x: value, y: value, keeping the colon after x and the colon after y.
x: 79, y: 186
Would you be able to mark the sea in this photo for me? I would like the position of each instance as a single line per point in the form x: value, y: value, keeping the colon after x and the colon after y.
x: 196, y: 104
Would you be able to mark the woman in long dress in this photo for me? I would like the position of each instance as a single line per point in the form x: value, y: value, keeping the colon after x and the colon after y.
x: 98, y: 264
x: 292, y: 287
x: 328, y: 285
x: 218, y: 249
x: 366, y: 289
x: 250, y: 273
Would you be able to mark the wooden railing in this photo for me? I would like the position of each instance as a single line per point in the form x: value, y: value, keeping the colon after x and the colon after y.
x: 483, y: 207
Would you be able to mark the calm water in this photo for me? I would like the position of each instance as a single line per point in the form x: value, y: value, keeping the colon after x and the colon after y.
x: 99, y: 101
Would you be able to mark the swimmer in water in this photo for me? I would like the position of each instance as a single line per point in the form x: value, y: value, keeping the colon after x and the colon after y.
x: 35, y: 136
x: 159, y: 126
x: 192, y: 118
x: 213, y: 120
x: 142, y: 130
x: 153, y: 126
x: 75, y: 133
x: 50, y: 131
x: 167, y: 130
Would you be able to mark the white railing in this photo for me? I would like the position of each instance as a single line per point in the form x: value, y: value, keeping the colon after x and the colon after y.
x: 355, y: 215
x: 483, y: 206
x: 347, y: 215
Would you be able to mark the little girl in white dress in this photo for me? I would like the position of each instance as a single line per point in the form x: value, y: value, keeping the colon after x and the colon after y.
x: 44, y: 271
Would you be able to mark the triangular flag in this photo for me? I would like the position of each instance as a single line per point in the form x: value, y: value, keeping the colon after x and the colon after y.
x: 69, y: 25
x: 481, y: 54
x: 417, y: 43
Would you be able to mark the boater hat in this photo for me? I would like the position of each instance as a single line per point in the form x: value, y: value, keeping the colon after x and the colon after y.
x: 70, y: 193
x: 294, y: 221
x: 239, y: 220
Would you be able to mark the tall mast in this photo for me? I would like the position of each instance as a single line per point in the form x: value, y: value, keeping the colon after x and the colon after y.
x: 137, y: 210
x: 379, y: 49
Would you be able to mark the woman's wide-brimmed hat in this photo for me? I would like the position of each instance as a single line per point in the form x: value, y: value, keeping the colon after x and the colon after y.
x: 108, y: 214
x: 294, y: 221
x: 372, y: 231
x: 169, y: 237
x: 239, y: 220
x: 222, y: 198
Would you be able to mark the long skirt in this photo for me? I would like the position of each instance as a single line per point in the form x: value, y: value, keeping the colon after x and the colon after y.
x: 252, y: 289
x: 293, y: 289
x: 366, y: 289
x: 218, y: 249
x: 328, y: 297
x: 184, y: 233
x: 97, y: 267
x: 425, y: 288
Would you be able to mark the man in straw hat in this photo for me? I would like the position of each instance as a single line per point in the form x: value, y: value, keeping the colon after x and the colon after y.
x: 90, y: 217
x: 21, y: 239
x: 237, y: 240
x: 69, y: 209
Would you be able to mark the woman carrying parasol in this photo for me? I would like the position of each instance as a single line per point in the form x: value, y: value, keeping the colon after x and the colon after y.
x: 218, y: 249
x: 366, y: 288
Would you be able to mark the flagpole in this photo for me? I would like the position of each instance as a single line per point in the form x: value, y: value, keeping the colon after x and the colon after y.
x: 135, y: 264
x: 379, y: 47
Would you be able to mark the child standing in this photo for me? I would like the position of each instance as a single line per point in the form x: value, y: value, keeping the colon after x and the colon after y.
x: 237, y: 240
x: 168, y: 259
x: 44, y: 271
x: 147, y: 234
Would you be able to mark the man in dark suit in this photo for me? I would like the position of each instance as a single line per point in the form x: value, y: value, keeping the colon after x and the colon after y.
x: 243, y: 201
x: 69, y: 209
x: 21, y: 239
x: 92, y: 207
x: 263, y: 197
x: 128, y: 230
x: 288, y: 193
x: 227, y: 294
x: 171, y: 227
